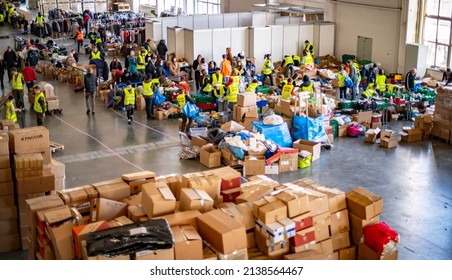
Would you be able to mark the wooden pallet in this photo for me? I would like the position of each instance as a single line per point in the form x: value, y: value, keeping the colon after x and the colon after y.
x: 55, y: 146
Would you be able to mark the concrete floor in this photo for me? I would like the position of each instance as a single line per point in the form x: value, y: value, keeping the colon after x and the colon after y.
x: 413, y: 179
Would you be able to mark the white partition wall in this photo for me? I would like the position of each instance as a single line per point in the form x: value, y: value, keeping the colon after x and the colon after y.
x: 271, y: 17
x: 277, y: 42
x: 260, y: 44
x: 239, y: 40
x: 153, y: 30
x: 221, y: 39
x: 293, y: 20
x: 216, y: 21
x: 231, y: 20
x: 176, y: 41
x: 202, y: 43
x: 291, y: 41
x: 167, y: 22
x: 306, y: 33
x: 282, y: 20
x: 259, y: 19
x: 189, y: 52
x: 325, y: 42
x: 201, y: 22
x: 185, y: 22
x: 245, y: 19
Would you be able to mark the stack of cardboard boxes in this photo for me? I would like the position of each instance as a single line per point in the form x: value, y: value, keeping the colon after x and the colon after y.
x: 245, y: 111
x: 32, y: 157
x: 59, y: 170
x: 442, y: 118
x: 9, y: 230
x: 425, y: 124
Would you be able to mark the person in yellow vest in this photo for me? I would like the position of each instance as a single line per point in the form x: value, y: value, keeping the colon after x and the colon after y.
x: 10, y: 111
x: 267, y: 70
x: 184, y: 99
x: 307, y: 61
x: 307, y: 85
x: 233, y: 93
x: 10, y: 12
x: 217, y: 77
x: 288, y: 64
x: 17, y: 81
x: 309, y: 47
x: 239, y: 69
x: 296, y: 60
x: 220, y: 92
x: 380, y: 80
x: 141, y: 62
x: 96, y: 54
x: 129, y: 101
x: 148, y: 94
x: 236, y: 78
x: 287, y: 90
x: 341, y: 75
x: 369, y: 92
x: 39, y: 18
x: 2, y: 19
x: 39, y: 105
x: 252, y: 87
x: 206, y: 87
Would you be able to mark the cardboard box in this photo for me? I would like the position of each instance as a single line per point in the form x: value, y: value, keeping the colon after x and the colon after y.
x: 303, y: 236
x: 115, y: 189
x: 230, y: 195
x: 232, y: 126
x: 253, y: 193
x: 205, y: 181
x: 28, y: 165
x: 5, y: 175
x: 106, y: 209
x: 364, y: 203
x: 272, y: 212
x: 356, y: 237
x: 166, y: 254
x: 187, y: 243
x: 8, y: 227
x: 250, y: 117
x: 388, y: 139
x: 195, y: 199
x: 157, y: 199
x: 230, y: 178
x: 137, y: 185
x: 274, y: 251
x: 79, y: 233
x: 241, y: 254
x: 59, y: 184
x: 303, y: 248
x: 288, y: 162
x: 59, y: 227
x: 7, y: 213
x: 303, y: 221
x: 254, y: 165
x: 325, y: 246
x: 307, y: 255
x: 221, y: 231
x: 321, y: 224
x: 79, y: 197
x: 6, y: 188
x: 261, y: 202
x: 348, y: 253
x: 371, y: 135
x: 10, y: 242
x: 341, y: 240
x: 43, y: 183
x: 310, y: 146
x: 363, y: 117
x: 197, y: 141
x: 210, y: 156
x: 4, y: 161
x: 289, y: 227
x: 4, y: 145
x: 343, y: 130
x: 130, y: 177
x: 173, y: 181
x: 246, y: 99
x: 242, y: 213
x: 239, y: 112
x: 366, y: 253
x: 297, y: 202
x: 28, y: 139
x: 336, y: 198
x: 357, y: 223
x: 120, y: 221
x: 339, y: 222
x: 136, y: 213
x: 411, y: 135
x: 182, y: 218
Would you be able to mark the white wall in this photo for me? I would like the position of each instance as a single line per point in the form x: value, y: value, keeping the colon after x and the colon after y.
x: 202, y: 43
x: 221, y: 39
x: 382, y: 25
x: 235, y: 6
x: 231, y: 20
x: 259, y: 44
x: 153, y: 30
x: 290, y: 39
x: 239, y: 40
x: 277, y: 42
x: 307, y: 33
x: 189, y: 52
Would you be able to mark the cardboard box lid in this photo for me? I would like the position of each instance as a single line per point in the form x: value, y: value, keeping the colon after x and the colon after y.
x: 196, y: 194
x: 232, y: 126
x: 57, y: 215
x: 242, y: 213
x: 43, y: 202
x: 106, y: 209
x: 362, y: 196
x: 78, y: 194
x: 138, y: 175
x: 166, y: 193
x: 182, y: 218
x: 185, y: 233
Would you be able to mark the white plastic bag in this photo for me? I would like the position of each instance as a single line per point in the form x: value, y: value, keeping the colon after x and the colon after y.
x: 273, y: 120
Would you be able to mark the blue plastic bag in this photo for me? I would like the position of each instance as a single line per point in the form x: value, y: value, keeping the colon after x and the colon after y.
x: 190, y: 110
x: 159, y: 99
x: 348, y: 82
x: 308, y: 128
x: 300, y: 127
x: 236, y: 151
x: 279, y: 134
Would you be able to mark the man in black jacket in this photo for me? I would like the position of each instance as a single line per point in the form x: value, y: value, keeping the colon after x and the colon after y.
x: 90, y: 89
x: 150, y: 67
x: 10, y: 58
x: 409, y: 79
x: 159, y: 69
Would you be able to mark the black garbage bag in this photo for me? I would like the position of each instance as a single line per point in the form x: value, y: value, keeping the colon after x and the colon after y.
x: 215, y: 135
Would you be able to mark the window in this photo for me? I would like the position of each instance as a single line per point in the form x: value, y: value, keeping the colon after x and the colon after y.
x: 209, y: 7
x: 437, y: 32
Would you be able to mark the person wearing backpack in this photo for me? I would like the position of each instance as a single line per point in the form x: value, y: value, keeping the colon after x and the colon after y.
x: 183, y: 99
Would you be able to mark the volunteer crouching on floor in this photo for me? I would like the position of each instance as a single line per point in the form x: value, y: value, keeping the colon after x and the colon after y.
x: 40, y: 105
x: 10, y: 111
x: 129, y: 101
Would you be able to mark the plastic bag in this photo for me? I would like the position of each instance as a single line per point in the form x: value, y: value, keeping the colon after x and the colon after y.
x: 279, y: 134
x: 380, y: 237
x: 273, y: 120
x: 316, y: 131
x: 190, y: 110
x: 355, y: 130
x: 159, y: 99
x: 348, y: 82
x: 300, y: 127
x: 236, y: 151
x: 216, y: 135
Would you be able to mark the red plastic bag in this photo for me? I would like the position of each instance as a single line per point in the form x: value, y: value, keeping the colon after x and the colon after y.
x: 355, y: 130
x: 380, y: 237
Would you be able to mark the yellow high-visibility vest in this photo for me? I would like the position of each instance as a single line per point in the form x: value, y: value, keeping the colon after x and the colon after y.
x: 286, y: 92
x: 380, y: 80
x: 288, y: 60
x: 39, y: 18
x: 309, y: 88
x: 340, y: 80
x: 233, y: 92
x: 129, y: 97
x: 220, y: 92
x: 208, y: 87
x: 147, y: 89
x: 308, y: 59
x: 252, y: 87
x: 267, y: 67
x: 139, y: 61
x: 181, y: 100
x: 217, y: 79
x: 37, y: 107
x: 236, y: 79
x: 17, y: 81
x: 11, y: 112
x: 95, y: 55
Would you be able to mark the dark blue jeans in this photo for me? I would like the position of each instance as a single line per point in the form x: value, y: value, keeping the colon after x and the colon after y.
x: 149, y: 106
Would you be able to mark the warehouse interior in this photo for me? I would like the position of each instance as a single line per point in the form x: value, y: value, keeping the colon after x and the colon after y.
x: 412, y: 181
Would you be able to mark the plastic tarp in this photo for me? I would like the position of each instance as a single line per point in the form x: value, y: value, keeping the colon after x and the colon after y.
x: 279, y: 134
x: 150, y: 235
x: 308, y: 128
